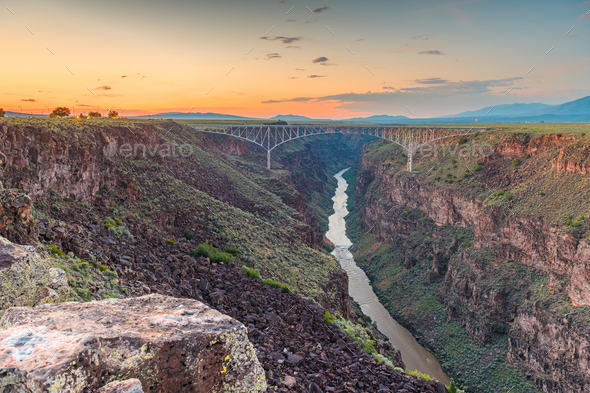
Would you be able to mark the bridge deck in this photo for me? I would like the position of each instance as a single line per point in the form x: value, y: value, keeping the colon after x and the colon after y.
x: 271, y: 136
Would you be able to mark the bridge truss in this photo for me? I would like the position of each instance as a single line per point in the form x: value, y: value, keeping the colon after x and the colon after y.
x: 269, y: 137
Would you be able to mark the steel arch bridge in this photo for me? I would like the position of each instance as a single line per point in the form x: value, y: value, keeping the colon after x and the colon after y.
x: 271, y: 136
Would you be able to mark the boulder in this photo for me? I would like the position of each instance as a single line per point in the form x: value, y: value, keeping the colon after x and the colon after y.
x: 128, y: 386
x: 27, y: 278
x: 168, y: 344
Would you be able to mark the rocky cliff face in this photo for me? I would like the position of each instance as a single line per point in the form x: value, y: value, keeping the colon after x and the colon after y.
x: 481, y: 286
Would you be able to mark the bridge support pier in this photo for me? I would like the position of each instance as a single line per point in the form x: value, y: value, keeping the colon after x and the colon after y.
x: 268, y: 160
x: 410, y: 160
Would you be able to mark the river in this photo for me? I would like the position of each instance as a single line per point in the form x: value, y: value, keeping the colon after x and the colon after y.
x: 415, y: 357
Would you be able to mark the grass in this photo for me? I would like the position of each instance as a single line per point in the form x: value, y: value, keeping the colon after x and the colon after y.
x: 83, y: 275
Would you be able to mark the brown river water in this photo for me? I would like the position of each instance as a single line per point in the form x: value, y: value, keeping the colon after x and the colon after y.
x: 415, y: 357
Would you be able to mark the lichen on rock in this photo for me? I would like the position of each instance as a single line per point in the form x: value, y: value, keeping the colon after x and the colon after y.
x: 27, y: 278
x: 168, y: 344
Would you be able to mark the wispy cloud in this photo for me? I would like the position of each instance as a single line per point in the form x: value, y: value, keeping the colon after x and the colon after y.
x: 271, y: 56
x: 439, y: 88
x: 28, y: 100
x: 84, y: 105
x: 298, y: 99
x: 293, y: 47
x: 431, y: 52
x: 293, y: 77
x: 290, y: 20
x: 431, y: 81
x: 420, y: 37
x: 320, y: 10
x: 316, y: 76
x: 103, y: 88
x: 123, y: 76
x: 284, y: 40
x: 360, y: 39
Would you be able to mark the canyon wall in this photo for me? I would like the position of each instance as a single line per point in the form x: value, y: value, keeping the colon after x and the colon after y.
x: 481, y: 283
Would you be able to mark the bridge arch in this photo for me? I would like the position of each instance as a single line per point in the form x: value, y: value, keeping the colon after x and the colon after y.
x: 269, y: 137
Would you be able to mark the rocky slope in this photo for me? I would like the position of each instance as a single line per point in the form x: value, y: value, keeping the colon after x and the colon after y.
x: 490, y: 247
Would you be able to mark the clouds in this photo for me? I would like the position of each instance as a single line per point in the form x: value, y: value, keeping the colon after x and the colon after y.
x: 271, y: 56
x: 322, y: 60
x: 320, y: 10
x: 431, y: 52
x: 284, y: 40
x: 435, y: 87
x: 103, y: 88
x: 316, y: 76
x: 431, y: 81
x: 420, y: 37
x: 28, y: 100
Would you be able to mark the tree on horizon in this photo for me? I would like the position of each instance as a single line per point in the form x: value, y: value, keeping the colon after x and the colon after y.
x: 61, y: 111
x: 113, y: 114
x: 2, y: 112
x: 93, y: 115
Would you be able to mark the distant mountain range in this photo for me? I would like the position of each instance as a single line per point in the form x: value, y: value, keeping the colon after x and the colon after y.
x: 24, y: 114
x: 503, y: 110
x: 573, y: 111
x: 190, y: 116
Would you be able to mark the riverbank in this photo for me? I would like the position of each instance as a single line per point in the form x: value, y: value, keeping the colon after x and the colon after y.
x: 414, y: 356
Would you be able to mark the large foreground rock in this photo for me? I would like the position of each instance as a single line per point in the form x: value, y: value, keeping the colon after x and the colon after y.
x: 168, y: 344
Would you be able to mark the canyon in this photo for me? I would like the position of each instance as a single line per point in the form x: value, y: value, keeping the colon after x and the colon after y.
x: 483, y: 259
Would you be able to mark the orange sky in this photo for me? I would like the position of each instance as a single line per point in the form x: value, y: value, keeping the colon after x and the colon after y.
x: 416, y: 59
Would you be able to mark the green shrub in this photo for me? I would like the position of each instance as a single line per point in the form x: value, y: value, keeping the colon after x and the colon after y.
x: 275, y: 284
x: 170, y: 242
x: 102, y: 268
x: 67, y: 199
x: 516, y: 161
x: 118, y: 221
x: 188, y: 234
x: 576, y: 224
x: 109, y: 223
x: 568, y: 222
x: 329, y: 317
x: 232, y: 251
x: 463, y: 141
x: 477, y: 166
x: 508, y: 196
x: 252, y: 273
x: 369, y: 346
x: 214, y: 255
x: 419, y: 374
x: 56, y: 250
x: 452, y: 387
x: 581, y: 218
x: 527, y: 156
x: 541, y: 193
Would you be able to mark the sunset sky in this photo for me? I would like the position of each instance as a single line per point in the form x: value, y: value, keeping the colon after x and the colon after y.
x: 329, y: 59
